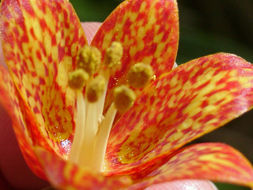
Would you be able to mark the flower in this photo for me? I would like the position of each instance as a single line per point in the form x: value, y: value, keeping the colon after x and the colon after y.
x: 63, y: 134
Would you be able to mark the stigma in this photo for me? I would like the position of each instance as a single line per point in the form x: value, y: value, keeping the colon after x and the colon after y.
x: 90, y: 81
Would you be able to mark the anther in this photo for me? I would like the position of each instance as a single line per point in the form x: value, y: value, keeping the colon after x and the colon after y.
x: 124, y: 98
x: 139, y: 75
x: 77, y: 79
x: 95, y: 89
x: 114, y: 54
x: 89, y: 59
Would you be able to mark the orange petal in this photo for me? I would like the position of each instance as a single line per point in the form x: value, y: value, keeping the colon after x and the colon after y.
x: 148, y: 31
x: 9, y: 101
x: 40, y: 42
x: 65, y: 175
x: 213, y: 161
x: 195, y: 98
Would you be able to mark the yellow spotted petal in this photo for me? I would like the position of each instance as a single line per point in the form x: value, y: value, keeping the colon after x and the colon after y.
x: 66, y: 175
x: 207, y: 161
x: 148, y: 31
x: 40, y: 41
x: 193, y: 99
x: 10, y: 101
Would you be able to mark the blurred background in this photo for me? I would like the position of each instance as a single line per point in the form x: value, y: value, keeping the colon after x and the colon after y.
x: 206, y: 27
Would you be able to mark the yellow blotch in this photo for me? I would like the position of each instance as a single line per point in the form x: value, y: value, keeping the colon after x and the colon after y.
x: 31, y: 102
x: 70, y: 97
x: 54, y: 53
x: 36, y: 28
x: 143, y: 7
x: 25, y: 47
x: 107, y: 40
x: 171, y: 102
x: 196, y: 125
x: 50, y: 20
x: 39, y: 68
x: 193, y: 107
x: 59, y: 38
x: 47, y: 43
x: 67, y: 172
x: 174, y: 81
x: 213, y: 158
x: 74, y: 50
x: 247, y: 82
x: 62, y: 75
x: 186, y: 124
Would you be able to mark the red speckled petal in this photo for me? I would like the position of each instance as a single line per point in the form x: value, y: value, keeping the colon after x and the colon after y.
x: 40, y: 42
x: 193, y: 99
x: 213, y: 161
x: 65, y: 175
x: 9, y: 101
x: 148, y: 31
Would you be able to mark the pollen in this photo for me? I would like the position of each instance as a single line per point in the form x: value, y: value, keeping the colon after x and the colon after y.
x: 139, y: 75
x: 95, y: 89
x: 114, y: 54
x: 89, y: 59
x: 124, y: 98
x: 77, y: 79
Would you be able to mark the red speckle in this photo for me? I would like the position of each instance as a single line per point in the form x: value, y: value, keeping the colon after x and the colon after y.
x: 36, y: 110
x: 43, y: 25
x: 32, y: 33
x: 42, y: 81
x: 204, y: 104
x: 53, y: 40
x: 61, y: 53
x: 38, y: 55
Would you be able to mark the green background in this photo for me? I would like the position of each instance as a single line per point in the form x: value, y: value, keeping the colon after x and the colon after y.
x: 206, y: 27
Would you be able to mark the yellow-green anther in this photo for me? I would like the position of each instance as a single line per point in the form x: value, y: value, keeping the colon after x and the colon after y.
x: 77, y: 79
x: 124, y: 98
x: 139, y: 75
x: 114, y: 54
x: 89, y: 59
x: 95, y: 89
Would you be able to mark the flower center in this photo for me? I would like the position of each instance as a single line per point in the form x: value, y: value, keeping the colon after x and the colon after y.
x: 92, y: 127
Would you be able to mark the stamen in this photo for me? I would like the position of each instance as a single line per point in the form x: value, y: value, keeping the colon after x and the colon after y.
x: 77, y: 79
x: 139, y: 75
x: 95, y: 89
x: 89, y: 59
x: 79, y: 131
x: 123, y: 98
x: 92, y: 128
x: 94, y: 94
x: 114, y: 54
x: 102, y: 138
